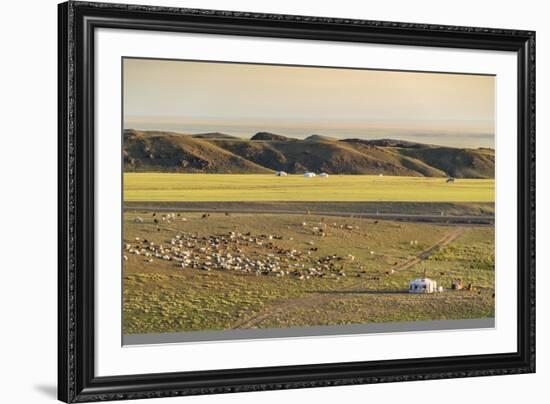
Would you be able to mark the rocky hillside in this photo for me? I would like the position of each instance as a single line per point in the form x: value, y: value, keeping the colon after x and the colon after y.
x: 268, y: 152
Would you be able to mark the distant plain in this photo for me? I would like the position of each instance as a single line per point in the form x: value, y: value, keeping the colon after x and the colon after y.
x: 268, y: 187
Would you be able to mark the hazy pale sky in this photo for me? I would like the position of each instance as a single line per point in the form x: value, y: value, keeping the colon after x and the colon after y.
x: 242, y: 99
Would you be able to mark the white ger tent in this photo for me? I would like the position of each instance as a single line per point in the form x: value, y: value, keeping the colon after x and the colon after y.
x: 422, y: 285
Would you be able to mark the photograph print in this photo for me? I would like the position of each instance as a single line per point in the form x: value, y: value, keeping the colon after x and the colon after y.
x: 265, y: 201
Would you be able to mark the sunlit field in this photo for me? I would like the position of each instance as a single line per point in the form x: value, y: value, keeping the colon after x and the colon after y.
x: 264, y: 187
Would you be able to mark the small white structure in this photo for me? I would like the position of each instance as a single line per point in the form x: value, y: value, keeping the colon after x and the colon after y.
x: 309, y: 175
x: 423, y: 285
x: 324, y: 175
x: 281, y: 174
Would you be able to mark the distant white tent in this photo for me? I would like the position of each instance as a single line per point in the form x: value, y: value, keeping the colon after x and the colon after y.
x: 281, y: 174
x: 324, y: 175
x: 309, y: 175
x: 422, y: 285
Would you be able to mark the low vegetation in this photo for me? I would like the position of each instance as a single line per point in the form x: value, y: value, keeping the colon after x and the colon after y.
x: 257, y: 187
x: 315, y: 270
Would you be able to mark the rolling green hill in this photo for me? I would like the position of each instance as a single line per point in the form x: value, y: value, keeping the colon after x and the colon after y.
x: 153, y: 151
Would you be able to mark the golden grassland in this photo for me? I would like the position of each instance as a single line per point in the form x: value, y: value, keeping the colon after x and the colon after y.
x: 266, y: 187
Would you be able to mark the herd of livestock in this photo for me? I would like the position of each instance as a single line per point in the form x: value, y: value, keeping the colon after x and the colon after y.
x: 244, y: 253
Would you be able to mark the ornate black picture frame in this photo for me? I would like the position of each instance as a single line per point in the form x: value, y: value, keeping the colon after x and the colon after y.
x: 77, y: 23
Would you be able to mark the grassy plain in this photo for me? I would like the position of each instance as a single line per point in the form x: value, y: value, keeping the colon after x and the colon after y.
x: 373, y: 260
x: 267, y: 187
x: 160, y: 296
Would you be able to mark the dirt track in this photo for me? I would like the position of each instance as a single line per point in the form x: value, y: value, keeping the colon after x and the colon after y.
x: 419, y: 218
